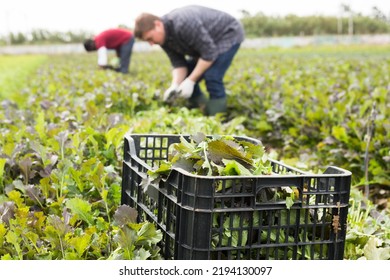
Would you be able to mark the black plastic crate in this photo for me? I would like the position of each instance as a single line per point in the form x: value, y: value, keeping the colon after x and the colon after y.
x: 237, y: 217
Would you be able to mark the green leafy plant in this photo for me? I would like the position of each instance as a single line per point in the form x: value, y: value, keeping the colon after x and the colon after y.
x: 368, y: 235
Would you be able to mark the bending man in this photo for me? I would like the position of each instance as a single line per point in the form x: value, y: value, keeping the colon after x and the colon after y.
x: 118, y: 39
x: 200, y: 43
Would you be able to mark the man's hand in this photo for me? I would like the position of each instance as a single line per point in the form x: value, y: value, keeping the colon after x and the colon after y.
x: 186, y: 88
x: 170, y: 92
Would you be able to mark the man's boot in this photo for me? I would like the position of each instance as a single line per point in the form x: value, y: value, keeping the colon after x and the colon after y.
x: 199, y: 101
x: 215, y: 106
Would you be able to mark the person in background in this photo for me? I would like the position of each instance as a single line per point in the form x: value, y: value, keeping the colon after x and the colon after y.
x: 200, y: 43
x: 118, y: 39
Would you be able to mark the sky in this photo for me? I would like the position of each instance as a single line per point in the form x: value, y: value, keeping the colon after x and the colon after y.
x: 98, y: 15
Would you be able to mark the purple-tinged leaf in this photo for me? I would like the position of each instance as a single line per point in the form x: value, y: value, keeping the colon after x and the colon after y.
x: 124, y: 215
x: 7, y: 211
x: 34, y: 193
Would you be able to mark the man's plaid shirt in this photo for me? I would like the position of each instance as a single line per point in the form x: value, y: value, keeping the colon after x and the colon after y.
x: 199, y: 32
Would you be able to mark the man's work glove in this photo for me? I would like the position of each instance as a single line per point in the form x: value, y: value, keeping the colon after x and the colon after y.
x: 115, y: 62
x: 186, y: 88
x: 171, y: 93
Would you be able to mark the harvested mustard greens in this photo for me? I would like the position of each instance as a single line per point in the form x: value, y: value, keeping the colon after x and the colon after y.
x: 215, y: 156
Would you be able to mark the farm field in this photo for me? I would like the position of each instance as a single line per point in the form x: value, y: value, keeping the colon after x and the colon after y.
x: 62, y: 128
x: 14, y: 71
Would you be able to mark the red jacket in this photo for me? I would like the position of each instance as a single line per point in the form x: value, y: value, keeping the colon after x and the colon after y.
x: 112, y: 38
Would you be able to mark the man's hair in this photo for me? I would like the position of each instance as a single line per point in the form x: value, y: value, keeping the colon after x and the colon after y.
x: 144, y: 23
x: 89, y: 45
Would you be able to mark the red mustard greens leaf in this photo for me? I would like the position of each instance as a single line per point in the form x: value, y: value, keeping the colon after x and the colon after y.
x: 124, y: 215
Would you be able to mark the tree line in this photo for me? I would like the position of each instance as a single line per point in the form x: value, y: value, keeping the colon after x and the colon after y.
x: 257, y: 25
x: 41, y: 36
x: 260, y: 25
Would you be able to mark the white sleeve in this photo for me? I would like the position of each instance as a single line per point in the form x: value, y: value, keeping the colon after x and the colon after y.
x: 102, y: 56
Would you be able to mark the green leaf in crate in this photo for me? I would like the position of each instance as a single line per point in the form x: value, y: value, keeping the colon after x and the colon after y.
x: 218, y: 150
x: 253, y: 150
x: 183, y: 163
x: 289, y: 202
x: 236, y: 237
x: 184, y: 146
x: 233, y: 167
x: 163, y: 169
x: 198, y: 137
